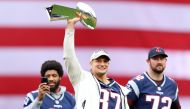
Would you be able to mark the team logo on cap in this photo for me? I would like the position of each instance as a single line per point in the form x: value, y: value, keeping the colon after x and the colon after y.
x: 158, y: 50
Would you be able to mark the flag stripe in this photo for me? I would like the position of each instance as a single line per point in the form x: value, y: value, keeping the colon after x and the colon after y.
x: 133, y: 60
x: 98, y: 37
x: 157, y: 1
x: 133, y: 15
x: 22, y: 85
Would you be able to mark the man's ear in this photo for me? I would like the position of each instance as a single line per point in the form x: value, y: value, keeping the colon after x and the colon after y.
x: 90, y: 65
x: 60, y: 78
x: 148, y: 60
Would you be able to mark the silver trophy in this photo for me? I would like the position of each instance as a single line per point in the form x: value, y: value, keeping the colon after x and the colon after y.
x: 59, y: 12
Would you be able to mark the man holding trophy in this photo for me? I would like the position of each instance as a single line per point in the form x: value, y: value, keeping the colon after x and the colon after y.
x: 93, y: 89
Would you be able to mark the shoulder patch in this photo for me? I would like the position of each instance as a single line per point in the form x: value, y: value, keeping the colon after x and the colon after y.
x: 27, y: 101
x: 139, y: 77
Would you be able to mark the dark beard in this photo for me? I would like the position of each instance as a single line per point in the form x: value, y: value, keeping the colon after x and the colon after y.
x: 158, y: 71
x: 53, y: 89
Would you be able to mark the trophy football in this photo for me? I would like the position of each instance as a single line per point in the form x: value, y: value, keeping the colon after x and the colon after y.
x: 59, y: 12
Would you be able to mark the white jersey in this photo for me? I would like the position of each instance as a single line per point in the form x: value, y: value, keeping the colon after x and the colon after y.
x: 86, y: 86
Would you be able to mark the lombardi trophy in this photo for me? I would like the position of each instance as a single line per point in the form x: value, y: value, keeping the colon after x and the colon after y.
x: 59, y: 12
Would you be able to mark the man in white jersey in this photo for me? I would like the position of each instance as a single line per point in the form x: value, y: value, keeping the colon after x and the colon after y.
x: 93, y: 89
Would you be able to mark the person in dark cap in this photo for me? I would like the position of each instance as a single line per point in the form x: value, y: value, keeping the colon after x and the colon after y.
x: 156, y: 51
x: 152, y: 89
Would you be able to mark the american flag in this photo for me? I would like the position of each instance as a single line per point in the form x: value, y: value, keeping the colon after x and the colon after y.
x: 127, y: 29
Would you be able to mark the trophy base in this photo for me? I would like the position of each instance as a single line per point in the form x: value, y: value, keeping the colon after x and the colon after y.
x: 58, y: 12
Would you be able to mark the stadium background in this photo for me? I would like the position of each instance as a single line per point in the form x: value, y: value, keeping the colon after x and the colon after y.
x: 125, y: 28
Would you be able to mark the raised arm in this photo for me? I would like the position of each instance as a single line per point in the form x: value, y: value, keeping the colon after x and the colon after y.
x: 73, y: 67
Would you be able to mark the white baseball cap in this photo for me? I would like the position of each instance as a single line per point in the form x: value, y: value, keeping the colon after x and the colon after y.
x: 96, y: 54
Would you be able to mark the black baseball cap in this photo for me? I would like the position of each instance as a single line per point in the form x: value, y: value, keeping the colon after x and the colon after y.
x: 155, y: 51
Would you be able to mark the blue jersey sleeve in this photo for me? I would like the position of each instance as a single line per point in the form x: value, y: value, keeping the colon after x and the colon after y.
x: 27, y: 101
x: 70, y: 98
x: 30, y: 97
x: 133, y: 86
